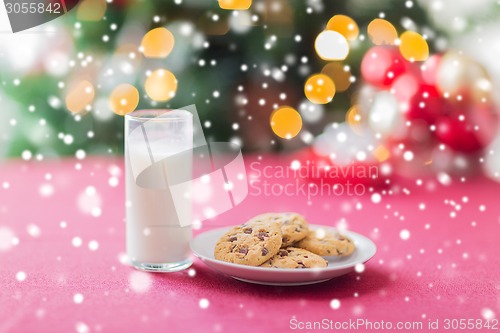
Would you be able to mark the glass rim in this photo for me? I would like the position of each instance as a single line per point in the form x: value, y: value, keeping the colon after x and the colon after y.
x: 159, y: 114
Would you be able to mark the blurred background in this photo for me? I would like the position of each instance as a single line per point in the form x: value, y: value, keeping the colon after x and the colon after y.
x: 415, y: 83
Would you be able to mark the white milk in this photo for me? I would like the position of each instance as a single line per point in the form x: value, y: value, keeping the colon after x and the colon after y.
x: 154, y: 235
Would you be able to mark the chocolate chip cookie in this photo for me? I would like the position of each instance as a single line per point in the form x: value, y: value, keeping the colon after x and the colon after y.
x: 251, y: 243
x: 294, y: 227
x: 292, y: 257
x: 327, y: 243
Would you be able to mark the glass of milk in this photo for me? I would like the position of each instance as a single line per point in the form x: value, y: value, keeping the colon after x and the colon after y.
x: 158, y: 152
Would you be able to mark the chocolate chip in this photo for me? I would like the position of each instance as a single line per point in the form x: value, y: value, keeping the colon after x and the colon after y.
x: 233, y: 238
x: 264, y: 251
x: 306, y: 257
x: 243, y: 250
x: 284, y: 239
x: 247, y: 230
x: 261, y: 235
x: 283, y: 253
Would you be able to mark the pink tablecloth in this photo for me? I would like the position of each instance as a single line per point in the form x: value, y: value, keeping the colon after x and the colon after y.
x: 62, y: 246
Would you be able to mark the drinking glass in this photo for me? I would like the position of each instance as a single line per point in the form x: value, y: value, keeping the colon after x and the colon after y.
x: 158, y: 145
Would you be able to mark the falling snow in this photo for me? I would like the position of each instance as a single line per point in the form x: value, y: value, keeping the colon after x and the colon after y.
x: 368, y: 135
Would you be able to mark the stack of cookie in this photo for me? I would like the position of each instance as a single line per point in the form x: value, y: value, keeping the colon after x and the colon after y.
x: 280, y: 240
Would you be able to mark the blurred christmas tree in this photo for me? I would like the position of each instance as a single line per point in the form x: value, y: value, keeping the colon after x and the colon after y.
x: 236, y: 66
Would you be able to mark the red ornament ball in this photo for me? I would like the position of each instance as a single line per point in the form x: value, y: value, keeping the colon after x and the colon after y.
x: 382, y: 65
x: 430, y: 69
x: 427, y: 104
x: 459, y: 135
x: 469, y: 131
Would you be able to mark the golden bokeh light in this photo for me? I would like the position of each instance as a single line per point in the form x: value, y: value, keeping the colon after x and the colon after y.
x: 340, y: 75
x: 80, y: 96
x: 382, y: 32
x: 91, y: 10
x: 413, y: 46
x: 319, y: 89
x: 161, y: 85
x: 157, y: 43
x: 286, y: 122
x: 124, y: 99
x: 235, y: 4
x: 344, y: 25
x: 381, y: 153
x: 354, y: 119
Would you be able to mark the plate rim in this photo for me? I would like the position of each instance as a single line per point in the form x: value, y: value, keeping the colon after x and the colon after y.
x: 281, y: 284
x: 349, y: 233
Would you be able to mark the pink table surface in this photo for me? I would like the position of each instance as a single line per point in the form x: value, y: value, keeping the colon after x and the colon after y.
x: 448, y: 268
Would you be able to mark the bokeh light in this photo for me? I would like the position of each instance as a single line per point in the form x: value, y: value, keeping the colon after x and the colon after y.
x: 458, y: 73
x: 382, y: 32
x: 344, y: 25
x: 161, y: 85
x: 140, y: 282
x: 91, y: 10
x: 240, y: 22
x: 7, y: 237
x: 354, y: 118
x: 344, y: 146
x: 319, y: 89
x: 286, y: 122
x: 157, y: 43
x: 384, y: 116
x: 482, y: 89
x: 413, y: 46
x: 405, y: 87
x: 491, y: 166
x: 425, y: 104
x: 381, y: 153
x: 80, y: 96
x: 430, y: 69
x: 381, y: 65
x: 339, y: 73
x: 235, y: 4
x: 310, y: 112
x: 331, y: 45
x: 89, y: 202
x: 451, y: 75
x: 124, y: 99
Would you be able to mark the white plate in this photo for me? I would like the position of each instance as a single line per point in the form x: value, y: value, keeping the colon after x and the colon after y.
x: 203, y: 247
